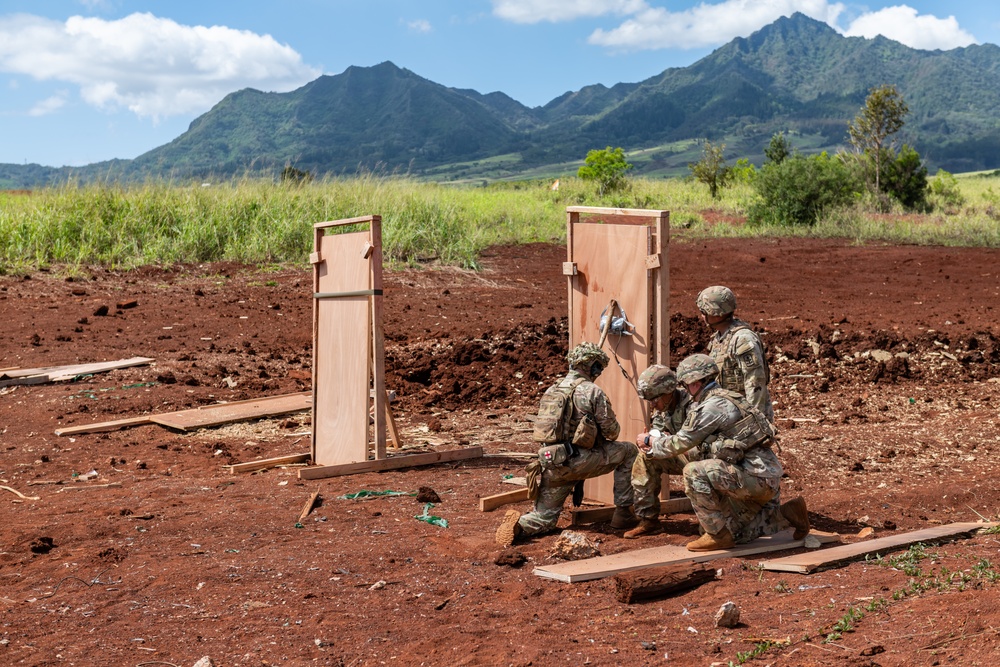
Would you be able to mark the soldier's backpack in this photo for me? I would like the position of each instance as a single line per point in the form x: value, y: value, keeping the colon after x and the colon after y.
x: 554, y: 413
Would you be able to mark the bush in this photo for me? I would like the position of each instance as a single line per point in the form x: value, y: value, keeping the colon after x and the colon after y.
x: 944, y: 191
x: 798, y: 189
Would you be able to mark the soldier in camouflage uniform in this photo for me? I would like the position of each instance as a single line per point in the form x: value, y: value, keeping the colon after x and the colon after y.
x: 670, y: 403
x: 736, y: 349
x: 586, y: 361
x: 734, y: 488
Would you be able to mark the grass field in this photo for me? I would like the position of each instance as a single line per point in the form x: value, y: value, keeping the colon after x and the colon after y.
x: 264, y: 222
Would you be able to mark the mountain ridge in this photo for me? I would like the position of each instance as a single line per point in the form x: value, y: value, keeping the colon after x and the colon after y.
x: 796, y: 75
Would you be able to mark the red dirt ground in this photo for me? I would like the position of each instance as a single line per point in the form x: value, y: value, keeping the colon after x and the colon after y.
x: 185, y: 560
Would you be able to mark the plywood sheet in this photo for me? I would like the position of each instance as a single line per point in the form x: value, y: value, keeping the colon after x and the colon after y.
x: 813, y: 560
x: 224, y: 413
x: 342, y: 357
x: 605, y: 566
x: 610, y: 261
x: 54, y: 373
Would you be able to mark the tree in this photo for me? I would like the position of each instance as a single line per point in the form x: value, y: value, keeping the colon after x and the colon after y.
x: 881, y: 117
x: 607, y: 167
x: 905, y: 179
x: 778, y: 149
x: 712, y: 169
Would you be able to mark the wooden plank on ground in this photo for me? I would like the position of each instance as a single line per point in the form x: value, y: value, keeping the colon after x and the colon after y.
x: 262, y: 464
x: 583, y: 515
x: 224, y: 413
x: 606, y: 566
x: 100, y: 427
x: 391, y: 463
x: 810, y: 561
x: 53, y: 373
x: 490, y: 503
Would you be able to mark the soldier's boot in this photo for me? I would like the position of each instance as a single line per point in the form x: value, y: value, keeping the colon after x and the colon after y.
x: 795, y: 513
x: 709, y: 542
x: 509, y: 529
x: 646, y: 527
x: 623, y: 517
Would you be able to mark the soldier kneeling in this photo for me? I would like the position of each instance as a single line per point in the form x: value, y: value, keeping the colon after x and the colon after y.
x: 734, y: 487
x: 577, y: 427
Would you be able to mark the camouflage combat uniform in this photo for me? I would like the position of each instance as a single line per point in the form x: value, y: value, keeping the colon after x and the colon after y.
x: 606, y: 456
x: 646, y: 470
x: 743, y: 496
x: 739, y: 354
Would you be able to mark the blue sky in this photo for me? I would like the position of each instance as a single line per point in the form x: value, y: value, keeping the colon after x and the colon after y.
x: 91, y: 80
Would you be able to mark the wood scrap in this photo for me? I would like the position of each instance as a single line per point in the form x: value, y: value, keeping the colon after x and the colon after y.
x: 80, y: 487
x: 606, y: 566
x: 659, y: 582
x: 19, y: 494
x: 490, y: 503
x: 308, y: 506
x: 206, y: 415
x: 584, y: 515
x: 390, y: 463
x: 57, y: 373
x: 274, y: 462
x: 813, y: 560
x: 101, y: 427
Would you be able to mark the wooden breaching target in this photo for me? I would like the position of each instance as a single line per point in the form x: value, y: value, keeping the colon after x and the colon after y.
x: 620, y: 255
x: 350, y: 404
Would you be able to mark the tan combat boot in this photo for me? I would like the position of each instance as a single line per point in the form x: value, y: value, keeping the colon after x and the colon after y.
x: 509, y: 529
x: 623, y: 517
x: 709, y: 542
x: 646, y: 527
x: 795, y: 513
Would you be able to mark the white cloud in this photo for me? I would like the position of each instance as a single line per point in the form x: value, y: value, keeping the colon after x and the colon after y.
x: 554, y: 11
x: 419, y: 25
x: 49, y: 105
x: 707, y: 24
x: 152, y: 66
x: 904, y: 25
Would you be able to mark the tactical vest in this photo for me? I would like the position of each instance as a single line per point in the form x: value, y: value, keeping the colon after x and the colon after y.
x: 731, y: 375
x: 752, y: 429
x: 555, y: 411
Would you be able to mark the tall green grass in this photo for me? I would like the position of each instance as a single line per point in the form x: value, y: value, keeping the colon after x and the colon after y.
x: 257, y: 221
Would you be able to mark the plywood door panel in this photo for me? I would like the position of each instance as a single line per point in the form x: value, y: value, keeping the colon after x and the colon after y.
x: 342, y: 358
x: 611, y: 264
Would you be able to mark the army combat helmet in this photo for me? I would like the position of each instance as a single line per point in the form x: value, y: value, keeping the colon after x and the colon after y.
x: 696, y: 367
x: 717, y: 300
x: 656, y: 381
x: 585, y: 355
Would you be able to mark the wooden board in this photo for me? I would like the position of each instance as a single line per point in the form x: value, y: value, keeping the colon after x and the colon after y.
x: 490, y: 503
x: 224, y: 413
x: 813, y: 560
x: 587, y: 515
x: 391, y: 463
x: 342, y: 350
x: 605, y: 566
x: 610, y: 264
x: 252, y: 466
x: 55, y: 373
x: 101, y: 427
